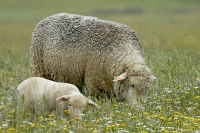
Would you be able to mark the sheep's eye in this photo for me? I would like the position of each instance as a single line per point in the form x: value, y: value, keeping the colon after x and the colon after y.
x: 70, y: 104
x: 132, y: 85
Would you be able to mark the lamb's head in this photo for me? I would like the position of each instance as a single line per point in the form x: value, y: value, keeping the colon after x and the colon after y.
x: 132, y: 85
x: 75, y: 103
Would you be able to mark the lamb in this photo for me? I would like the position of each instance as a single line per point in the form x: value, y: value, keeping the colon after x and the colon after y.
x: 37, y: 93
x: 90, y: 52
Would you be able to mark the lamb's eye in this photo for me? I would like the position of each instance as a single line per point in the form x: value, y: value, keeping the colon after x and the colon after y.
x: 70, y: 104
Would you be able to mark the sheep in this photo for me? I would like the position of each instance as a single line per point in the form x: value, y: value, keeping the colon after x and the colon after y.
x: 105, y: 57
x: 37, y: 93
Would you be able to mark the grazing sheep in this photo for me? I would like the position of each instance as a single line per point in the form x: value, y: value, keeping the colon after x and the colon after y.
x: 37, y: 93
x: 87, y: 51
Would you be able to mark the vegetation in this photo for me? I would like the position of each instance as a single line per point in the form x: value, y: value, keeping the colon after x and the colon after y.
x: 169, y: 35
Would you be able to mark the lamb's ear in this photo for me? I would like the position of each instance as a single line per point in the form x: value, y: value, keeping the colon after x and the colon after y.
x: 63, y: 98
x: 122, y: 76
x: 92, y: 104
x: 153, y: 77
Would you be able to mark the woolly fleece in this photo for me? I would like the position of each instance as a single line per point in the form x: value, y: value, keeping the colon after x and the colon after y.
x: 37, y: 93
x: 87, y: 51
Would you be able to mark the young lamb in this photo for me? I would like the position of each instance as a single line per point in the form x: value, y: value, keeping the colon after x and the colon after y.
x: 37, y: 93
x: 87, y: 51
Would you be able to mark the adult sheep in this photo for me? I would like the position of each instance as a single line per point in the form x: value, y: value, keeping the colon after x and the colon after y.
x: 37, y: 93
x: 87, y: 51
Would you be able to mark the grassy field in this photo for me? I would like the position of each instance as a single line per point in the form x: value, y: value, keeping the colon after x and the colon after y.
x: 169, y: 32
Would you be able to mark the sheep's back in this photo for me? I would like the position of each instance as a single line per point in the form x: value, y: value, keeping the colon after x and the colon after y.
x: 69, y: 31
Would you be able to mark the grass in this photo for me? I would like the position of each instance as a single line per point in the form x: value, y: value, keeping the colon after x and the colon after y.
x: 147, y: 18
x: 172, y: 104
x: 171, y: 44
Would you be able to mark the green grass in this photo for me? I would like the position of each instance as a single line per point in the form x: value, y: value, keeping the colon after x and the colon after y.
x: 171, y: 45
x: 18, y: 18
x: 172, y: 104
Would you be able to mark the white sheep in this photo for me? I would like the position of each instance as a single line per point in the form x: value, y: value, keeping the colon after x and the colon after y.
x: 87, y: 51
x: 37, y: 93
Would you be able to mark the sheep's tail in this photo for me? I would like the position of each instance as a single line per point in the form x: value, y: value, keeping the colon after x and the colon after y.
x: 34, y: 63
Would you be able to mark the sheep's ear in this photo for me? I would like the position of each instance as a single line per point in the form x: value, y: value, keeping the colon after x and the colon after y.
x: 63, y: 98
x: 92, y: 104
x: 122, y: 76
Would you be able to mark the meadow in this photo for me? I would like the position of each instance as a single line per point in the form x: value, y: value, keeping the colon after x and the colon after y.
x: 169, y: 33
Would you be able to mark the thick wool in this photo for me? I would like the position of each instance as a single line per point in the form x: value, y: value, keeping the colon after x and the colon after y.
x: 87, y: 51
x: 37, y: 93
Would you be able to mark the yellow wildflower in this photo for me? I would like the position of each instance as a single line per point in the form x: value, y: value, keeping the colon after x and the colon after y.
x: 175, y: 116
x: 65, y: 129
x: 67, y: 111
x: 52, y: 124
x: 109, y: 127
x: 100, y: 119
x: 162, y: 118
x: 170, y: 118
x: 10, y: 112
x: 169, y: 123
x: 177, y: 87
x: 111, y: 114
x: 94, y: 131
x: 191, y: 119
x: 32, y: 124
x: 11, y: 129
x: 191, y: 127
x: 144, y: 131
x: 184, y: 124
x: 187, y: 92
x: 182, y: 116
x: 76, y: 118
x: 41, y: 117
x: 145, y: 113
x: 176, y: 113
x: 22, y: 126
x: 197, y: 97
x: 122, y: 124
x: 2, y: 107
x: 167, y: 100
x: 164, y: 131
x: 134, y: 117
x: 115, y: 105
x: 51, y: 115
x: 155, y: 116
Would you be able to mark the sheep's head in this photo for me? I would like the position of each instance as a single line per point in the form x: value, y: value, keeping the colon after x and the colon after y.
x: 75, y: 103
x: 133, y: 85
